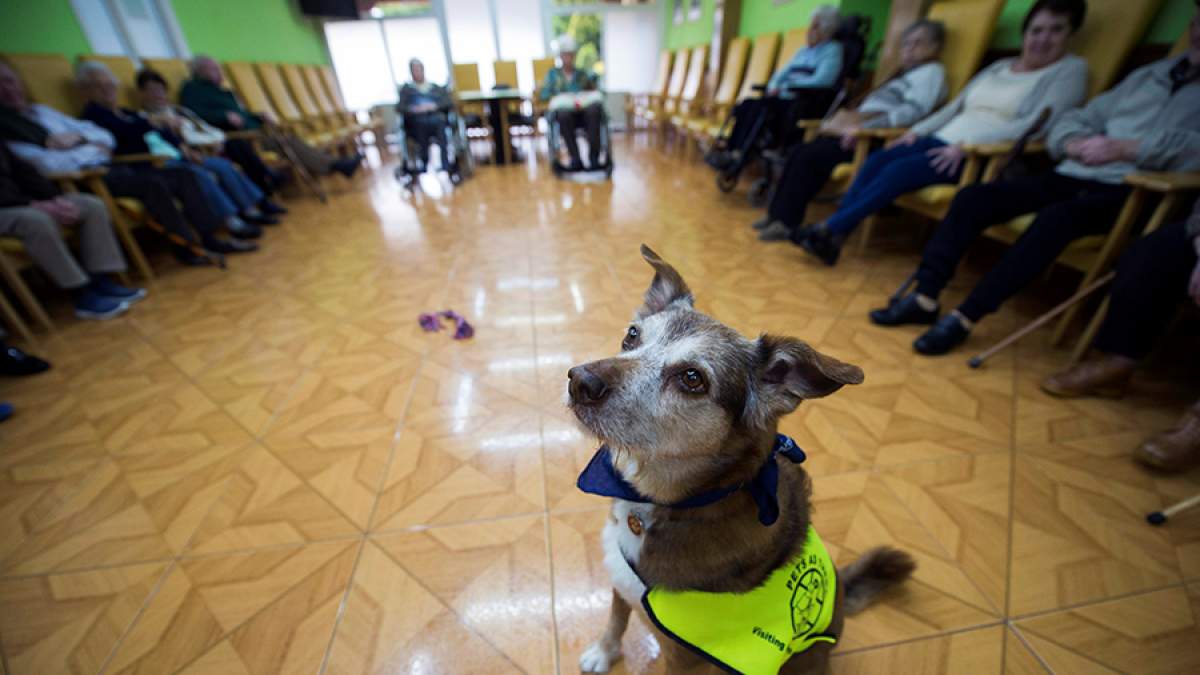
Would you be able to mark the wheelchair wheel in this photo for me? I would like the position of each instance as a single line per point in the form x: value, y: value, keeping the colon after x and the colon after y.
x: 726, y: 181
x: 760, y: 191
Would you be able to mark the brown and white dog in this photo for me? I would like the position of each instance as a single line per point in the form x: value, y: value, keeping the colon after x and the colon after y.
x: 691, y: 406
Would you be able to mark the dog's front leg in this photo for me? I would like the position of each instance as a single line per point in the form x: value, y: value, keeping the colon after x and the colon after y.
x: 602, y: 654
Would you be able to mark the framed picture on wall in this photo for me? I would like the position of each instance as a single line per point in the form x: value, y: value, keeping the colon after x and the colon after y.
x: 693, y: 10
x: 678, y: 12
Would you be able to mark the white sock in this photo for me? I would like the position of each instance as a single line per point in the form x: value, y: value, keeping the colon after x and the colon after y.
x: 966, y: 323
x: 926, y: 303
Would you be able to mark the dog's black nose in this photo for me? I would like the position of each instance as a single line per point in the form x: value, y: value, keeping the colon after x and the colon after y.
x: 585, y: 386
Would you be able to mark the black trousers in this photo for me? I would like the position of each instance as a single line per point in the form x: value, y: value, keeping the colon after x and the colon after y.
x: 1067, y: 209
x: 425, y: 130
x: 241, y: 152
x: 755, y: 116
x: 808, y: 168
x: 157, y: 190
x: 590, y: 119
x: 1152, y: 277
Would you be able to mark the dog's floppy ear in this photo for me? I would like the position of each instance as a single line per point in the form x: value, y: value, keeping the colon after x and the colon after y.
x: 789, y: 371
x: 667, y: 288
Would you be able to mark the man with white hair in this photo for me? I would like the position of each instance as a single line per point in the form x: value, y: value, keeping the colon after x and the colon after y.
x: 204, y: 95
x: 567, y: 79
x: 816, y: 66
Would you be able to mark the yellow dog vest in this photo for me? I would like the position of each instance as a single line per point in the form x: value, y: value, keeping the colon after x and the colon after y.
x: 756, y: 632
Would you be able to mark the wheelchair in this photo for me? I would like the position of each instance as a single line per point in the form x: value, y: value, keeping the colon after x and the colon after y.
x: 453, y: 138
x: 557, y: 150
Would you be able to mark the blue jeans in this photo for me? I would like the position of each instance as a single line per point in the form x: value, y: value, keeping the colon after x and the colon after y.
x: 236, y: 184
x: 221, y: 205
x: 886, y: 175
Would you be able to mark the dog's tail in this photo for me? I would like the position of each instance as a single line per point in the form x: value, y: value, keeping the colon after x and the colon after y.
x: 873, y: 573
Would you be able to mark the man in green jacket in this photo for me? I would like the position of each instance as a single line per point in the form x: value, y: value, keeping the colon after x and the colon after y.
x: 204, y: 95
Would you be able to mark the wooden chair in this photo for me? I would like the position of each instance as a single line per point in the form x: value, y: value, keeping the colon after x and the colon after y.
x: 758, y: 71
x: 48, y: 79
x: 325, y: 102
x: 313, y: 115
x: 793, y: 41
x: 695, y: 125
x: 373, y: 124
x: 541, y: 68
x: 658, y: 105
x: 638, y: 102
x: 691, y: 89
x: 290, y: 115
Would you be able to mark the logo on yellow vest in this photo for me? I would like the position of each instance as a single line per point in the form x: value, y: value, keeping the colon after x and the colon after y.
x: 808, y: 585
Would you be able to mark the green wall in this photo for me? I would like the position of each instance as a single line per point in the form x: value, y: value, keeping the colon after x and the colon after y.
x: 251, y: 30
x: 761, y: 16
x: 40, y: 26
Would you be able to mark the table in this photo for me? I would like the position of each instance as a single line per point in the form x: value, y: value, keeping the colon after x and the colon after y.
x: 497, y: 100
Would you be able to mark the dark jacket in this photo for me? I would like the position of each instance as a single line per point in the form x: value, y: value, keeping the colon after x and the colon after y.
x: 129, y: 128
x: 212, y: 103
x: 20, y: 182
x: 411, y: 95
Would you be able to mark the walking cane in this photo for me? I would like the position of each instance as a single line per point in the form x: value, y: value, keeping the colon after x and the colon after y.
x: 196, y: 249
x: 1160, y: 517
x: 305, y: 177
x: 977, y: 360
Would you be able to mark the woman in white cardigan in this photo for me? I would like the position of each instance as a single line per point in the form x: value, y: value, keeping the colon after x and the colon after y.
x: 909, y: 95
x: 999, y: 104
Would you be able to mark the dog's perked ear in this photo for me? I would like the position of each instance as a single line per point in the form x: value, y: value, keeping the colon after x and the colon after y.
x: 790, y: 371
x: 666, y: 289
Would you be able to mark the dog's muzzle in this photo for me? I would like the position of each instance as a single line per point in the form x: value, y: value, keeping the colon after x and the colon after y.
x: 585, y: 387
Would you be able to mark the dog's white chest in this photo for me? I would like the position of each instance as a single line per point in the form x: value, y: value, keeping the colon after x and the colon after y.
x: 623, y: 536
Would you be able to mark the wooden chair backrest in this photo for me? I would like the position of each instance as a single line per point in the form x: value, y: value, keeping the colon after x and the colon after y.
x: 506, y: 73
x: 272, y: 81
x: 332, y: 88
x: 1181, y: 44
x: 733, y: 71
x: 299, y: 90
x: 678, y: 74
x: 241, y: 76
x: 48, y: 79
x: 312, y: 75
x: 662, y: 76
x: 540, y: 68
x: 695, y: 78
x: 762, y: 60
x: 969, y: 26
x: 466, y: 77
x: 1109, y: 34
x: 126, y: 73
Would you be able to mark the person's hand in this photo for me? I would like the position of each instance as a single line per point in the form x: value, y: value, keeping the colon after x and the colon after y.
x: 946, y: 159
x: 1104, y: 150
x: 62, y: 211
x: 849, y: 138
x: 1072, y: 146
x: 63, y: 141
x: 175, y: 124
x: 907, y: 139
x: 772, y: 92
x: 235, y: 120
x: 102, y: 149
x: 267, y: 117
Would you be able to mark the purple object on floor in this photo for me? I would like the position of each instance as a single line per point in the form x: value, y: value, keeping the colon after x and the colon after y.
x: 462, y: 329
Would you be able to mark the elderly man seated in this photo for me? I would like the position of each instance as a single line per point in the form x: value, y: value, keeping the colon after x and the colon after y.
x: 55, y: 143
x: 34, y: 211
x: 567, y: 79
x: 204, y: 95
x: 423, y: 105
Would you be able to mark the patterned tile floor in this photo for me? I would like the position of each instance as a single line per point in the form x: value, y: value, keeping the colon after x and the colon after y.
x: 273, y: 469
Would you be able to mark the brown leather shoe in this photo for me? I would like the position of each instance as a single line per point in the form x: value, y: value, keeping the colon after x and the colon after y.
x: 1175, y: 449
x: 1107, y: 376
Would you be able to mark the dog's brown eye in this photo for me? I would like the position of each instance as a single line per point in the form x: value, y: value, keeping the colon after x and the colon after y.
x: 631, y: 338
x: 693, y: 381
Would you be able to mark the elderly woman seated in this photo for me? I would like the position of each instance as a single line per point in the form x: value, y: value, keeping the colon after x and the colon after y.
x: 136, y: 136
x: 567, y: 79
x: 999, y: 104
x: 816, y: 66
x: 424, y: 105
x: 909, y: 95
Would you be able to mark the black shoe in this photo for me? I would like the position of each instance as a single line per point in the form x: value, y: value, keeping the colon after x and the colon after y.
x: 230, y: 246
x: 187, y: 257
x: 17, y: 363
x: 945, y: 335
x: 575, y: 165
x: 270, y: 208
x: 817, y: 243
x: 261, y: 219
x: 243, y: 230
x: 347, y: 167
x: 904, y: 311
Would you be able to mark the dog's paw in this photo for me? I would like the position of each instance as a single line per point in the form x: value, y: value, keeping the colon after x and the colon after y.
x: 599, y: 657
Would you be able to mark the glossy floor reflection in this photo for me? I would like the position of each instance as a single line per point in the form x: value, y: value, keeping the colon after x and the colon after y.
x: 274, y: 469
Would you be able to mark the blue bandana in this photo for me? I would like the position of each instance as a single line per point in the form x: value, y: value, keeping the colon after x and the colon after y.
x: 602, y: 478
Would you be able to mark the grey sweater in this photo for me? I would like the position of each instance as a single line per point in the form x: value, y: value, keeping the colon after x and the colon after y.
x: 1141, y: 107
x: 905, y: 99
x: 1062, y: 86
